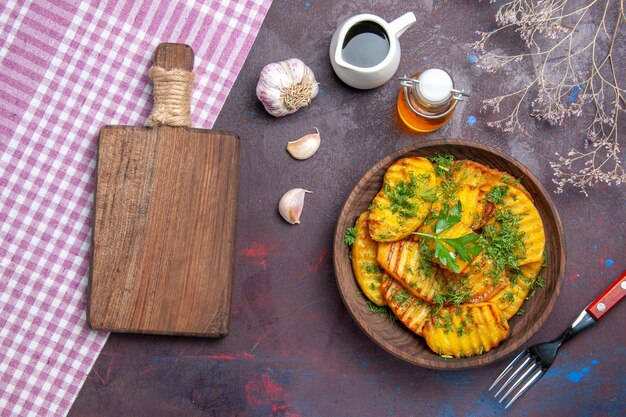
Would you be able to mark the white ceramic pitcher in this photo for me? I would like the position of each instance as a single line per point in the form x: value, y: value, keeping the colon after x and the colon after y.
x: 379, y: 74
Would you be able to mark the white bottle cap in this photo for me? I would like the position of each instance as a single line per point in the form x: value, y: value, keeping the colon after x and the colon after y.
x: 434, y: 87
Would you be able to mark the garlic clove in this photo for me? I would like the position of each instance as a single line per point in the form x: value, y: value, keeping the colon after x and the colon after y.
x: 291, y: 204
x: 305, y: 147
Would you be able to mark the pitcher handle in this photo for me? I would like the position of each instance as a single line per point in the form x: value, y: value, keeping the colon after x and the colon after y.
x: 401, y: 24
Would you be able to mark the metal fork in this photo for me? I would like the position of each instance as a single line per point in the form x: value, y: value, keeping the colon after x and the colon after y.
x: 534, y: 362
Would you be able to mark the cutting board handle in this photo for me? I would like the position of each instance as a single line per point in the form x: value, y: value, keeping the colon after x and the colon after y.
x: 174, y: 56
x: 172, y: 75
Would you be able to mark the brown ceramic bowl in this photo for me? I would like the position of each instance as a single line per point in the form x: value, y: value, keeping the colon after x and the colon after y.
x: 394, y: 337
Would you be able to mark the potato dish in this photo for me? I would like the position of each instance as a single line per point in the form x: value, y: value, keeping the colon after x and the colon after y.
x: 452, y: 248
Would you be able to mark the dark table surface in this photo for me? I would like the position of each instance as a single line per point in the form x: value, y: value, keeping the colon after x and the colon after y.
x: 293, y: 349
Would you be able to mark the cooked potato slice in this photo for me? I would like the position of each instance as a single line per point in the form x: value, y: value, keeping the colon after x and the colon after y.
x: 412, y: 311
x: 366, y: 270
x: 510, y: 298
x: 467, y: 330
x: 402, y: 261
x: 404, y: 200
x: 477, y: 175
x: 529, y: 223
x: 470, y: 197
x: 480, y: 281
x: 472, y: 203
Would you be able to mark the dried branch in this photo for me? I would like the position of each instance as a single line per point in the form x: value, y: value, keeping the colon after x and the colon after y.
x: 575, y: 71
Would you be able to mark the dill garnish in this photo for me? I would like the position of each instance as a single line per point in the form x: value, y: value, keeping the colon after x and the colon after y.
x: 382, y: 312
x: 497, y: 193
x: 402, y: 297
x: 507, y: 296
x: 455, y: 294
x: 444, y: 321
x: 402, y: 194
x: 503, y: 244
x: 372, y: 268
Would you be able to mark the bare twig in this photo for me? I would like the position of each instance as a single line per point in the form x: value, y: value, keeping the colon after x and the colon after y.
x: 575, y: 70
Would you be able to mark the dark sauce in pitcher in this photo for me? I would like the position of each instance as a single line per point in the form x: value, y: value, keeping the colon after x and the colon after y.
x: 366, y: 45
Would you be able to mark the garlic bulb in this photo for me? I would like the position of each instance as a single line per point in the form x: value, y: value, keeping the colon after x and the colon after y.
x: 291, y: 205
x: 305, y: 147
x: 286, y: 86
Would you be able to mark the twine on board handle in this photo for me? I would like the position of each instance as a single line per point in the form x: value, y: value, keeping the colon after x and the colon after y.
x: 173, y: 79
x: 172, y: 96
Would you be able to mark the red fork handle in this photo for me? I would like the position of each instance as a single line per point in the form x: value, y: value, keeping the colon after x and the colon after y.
x: 611, y: 296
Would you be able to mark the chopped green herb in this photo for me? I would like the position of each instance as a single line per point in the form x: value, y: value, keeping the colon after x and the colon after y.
x: 372, y: 268
x: 449, y: 190
x: 383, y: 312
x: 520, y: 312
x: 452, y: 296
x: 431, y: 216
x: 539, y: 282
x: 514, y: 276
x: 444, y: 168
x: 402, y: 297
x: 359, y: 294
x: 375, y: 205
x: 447, y: 356
x: 350, y: 236
x: 462, y: 329
x: 508, y: 180
x: 401, y: 195
x: 426, y: 261
x: 503, y: 244
x: 470, y: 320
x: 507, y: 297
x: 430, y: 195
x: 442, y: 163
x: 497, y: 193
x: 444, y: 322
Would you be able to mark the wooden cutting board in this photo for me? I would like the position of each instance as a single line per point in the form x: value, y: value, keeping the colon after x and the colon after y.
x: 164, y: 226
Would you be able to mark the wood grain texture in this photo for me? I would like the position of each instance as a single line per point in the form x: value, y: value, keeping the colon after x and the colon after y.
x: 395, y: 338
x: 164, y: 226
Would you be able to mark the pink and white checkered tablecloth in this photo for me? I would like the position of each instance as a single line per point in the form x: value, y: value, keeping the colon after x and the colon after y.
x: 66, y: 69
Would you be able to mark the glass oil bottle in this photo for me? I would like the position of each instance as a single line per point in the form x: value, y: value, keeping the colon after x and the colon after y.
x: 428, y: 99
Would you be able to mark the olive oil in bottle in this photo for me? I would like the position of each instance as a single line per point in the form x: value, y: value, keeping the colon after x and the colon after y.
x: 427, y: 100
